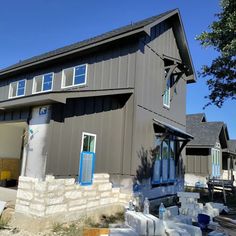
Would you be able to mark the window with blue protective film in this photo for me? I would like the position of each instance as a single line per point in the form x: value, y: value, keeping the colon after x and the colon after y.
x: 47, y: 82
x: 80, y: 75
x: 164, y: 164
x: 21, y: 88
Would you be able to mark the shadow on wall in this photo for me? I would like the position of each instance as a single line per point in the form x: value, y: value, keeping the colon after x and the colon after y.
x: 88, y: 105
x: 145, y: 169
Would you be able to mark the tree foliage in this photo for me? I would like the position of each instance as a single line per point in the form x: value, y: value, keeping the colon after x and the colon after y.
x: 221, y: 74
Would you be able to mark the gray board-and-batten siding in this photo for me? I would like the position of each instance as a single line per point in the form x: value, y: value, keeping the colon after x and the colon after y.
x: 123, y: 123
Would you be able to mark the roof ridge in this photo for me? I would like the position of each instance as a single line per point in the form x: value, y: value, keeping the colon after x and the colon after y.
x: 85, y: 42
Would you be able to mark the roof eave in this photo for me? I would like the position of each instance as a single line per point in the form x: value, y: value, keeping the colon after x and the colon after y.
x: 64, y: 54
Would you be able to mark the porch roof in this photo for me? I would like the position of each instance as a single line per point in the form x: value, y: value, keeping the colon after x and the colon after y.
x: 173, y: 130
x: 58, y: 97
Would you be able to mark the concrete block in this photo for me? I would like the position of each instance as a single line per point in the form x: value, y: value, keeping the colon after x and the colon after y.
x: 188, y: 195
x: 73, y: 194
x: 192, y: 230
x: 39, y: 200
x: 54, y: 209
x: 182, y: 219
x: 159, y: 228
x: 24, y: 195
x: 80, y: 202
x: 173, y: 210
x: 54, y: 201
x: 137, y: 222
x: 105, y: 187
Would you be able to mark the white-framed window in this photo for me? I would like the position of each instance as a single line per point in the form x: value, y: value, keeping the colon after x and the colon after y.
x: 43, y: 83
x: 216, y: 161
x: 74, y: 76
x: 88, y: 143
x: 17, y: 89
x: 166, y: 95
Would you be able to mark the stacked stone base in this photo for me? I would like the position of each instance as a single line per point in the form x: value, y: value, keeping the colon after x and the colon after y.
x: 63, y: 199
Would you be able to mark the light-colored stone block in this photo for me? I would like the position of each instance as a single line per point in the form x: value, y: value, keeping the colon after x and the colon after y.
x: 54, y: 209
x: 93, y: 198
x: 115, y: 190
x: 37, y: 206
x: 55, y: 194
x: 25, y: 185
x: 101, y: 176
x: 41, y: 186
x: 69, y: 181
x: 92, y: 204
x: 22, y: 209
x: 49, y: 178
x: 106, y: 201
x: 37, y: 213
x: 77, y: 202
x: 105, y: 187
x: 22, y: 202
x: 77, y: 208
x: 106, y: 194
x: 24, y: 195
x: 27, y: 179
x: 73, y: 194
x: 54, y: 201
x: 56, y: 187
x: 90, y: 194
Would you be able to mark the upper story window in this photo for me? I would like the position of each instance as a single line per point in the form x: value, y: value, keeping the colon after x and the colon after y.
x: 17, y: 89
x: 43, y: 83
x: 74, y: 76
x: 167, y: 93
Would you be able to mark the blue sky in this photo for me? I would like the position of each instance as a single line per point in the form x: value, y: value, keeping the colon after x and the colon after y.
x: 29, y: 28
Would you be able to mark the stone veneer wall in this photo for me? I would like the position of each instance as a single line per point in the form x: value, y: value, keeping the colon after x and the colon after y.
x: 51, y: 197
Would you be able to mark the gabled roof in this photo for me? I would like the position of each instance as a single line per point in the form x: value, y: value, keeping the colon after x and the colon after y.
x: 232, y: 146
x: 143, y: 26
x: 205, y: 133
x: 196, y: 118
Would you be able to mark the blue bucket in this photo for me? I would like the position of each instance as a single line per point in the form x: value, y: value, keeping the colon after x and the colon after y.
x: 203, y: 220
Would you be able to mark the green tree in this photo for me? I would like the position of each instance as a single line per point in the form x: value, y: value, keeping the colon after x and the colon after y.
x: 221, y: 74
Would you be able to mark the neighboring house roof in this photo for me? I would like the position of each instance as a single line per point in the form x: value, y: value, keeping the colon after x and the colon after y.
x: 205, y: 134
x: 141, y: 26
x: 195, y: 118
x: 231, y: 146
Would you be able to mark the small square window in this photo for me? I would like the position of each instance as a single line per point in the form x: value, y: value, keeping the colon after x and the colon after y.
x: 17, y: 89
x: 43, y: 83
x: 74, y: 76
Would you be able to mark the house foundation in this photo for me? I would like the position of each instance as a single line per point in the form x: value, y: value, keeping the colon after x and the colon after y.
x: 60, y: 200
